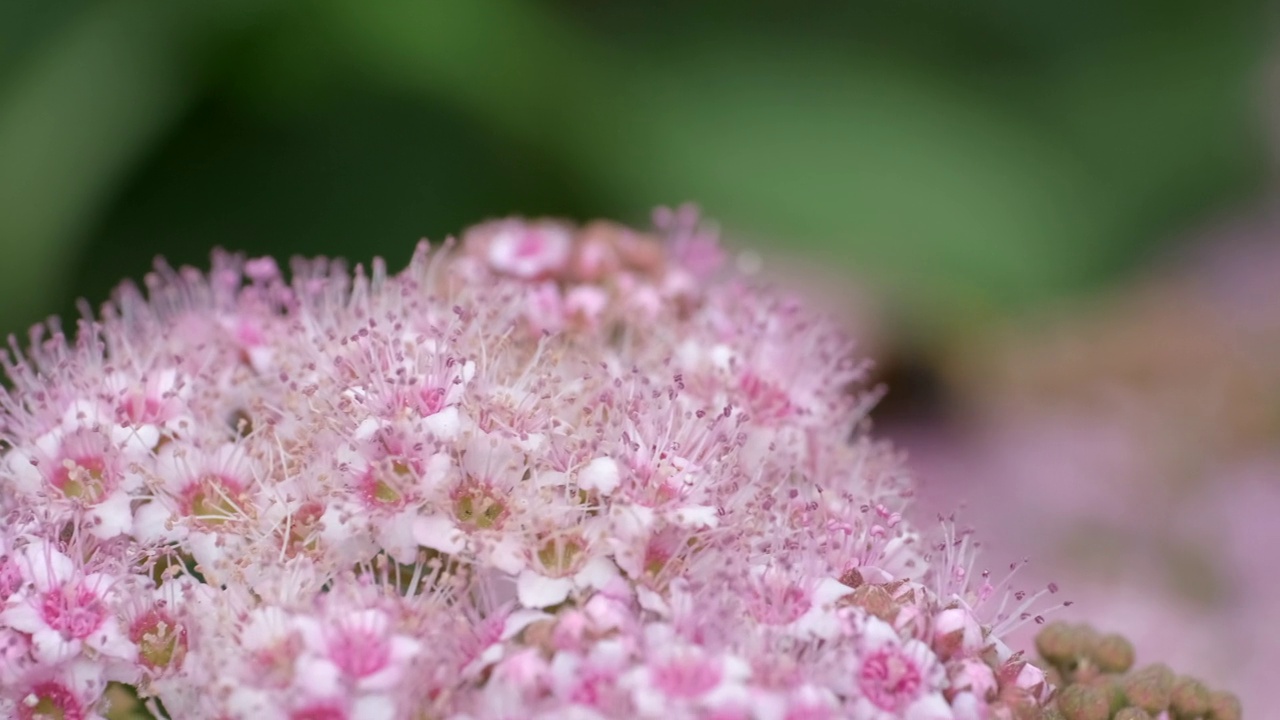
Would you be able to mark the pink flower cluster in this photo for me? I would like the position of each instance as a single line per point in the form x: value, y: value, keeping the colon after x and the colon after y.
x: 546, y: 472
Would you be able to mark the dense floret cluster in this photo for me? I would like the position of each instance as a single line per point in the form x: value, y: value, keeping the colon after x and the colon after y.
x: 545, y: 472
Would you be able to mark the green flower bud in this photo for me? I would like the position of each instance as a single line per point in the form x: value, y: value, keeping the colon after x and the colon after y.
x: 1114, y: 689
x: 1190, y: 698
x: 1084, y: 702
x: 1150, y: 688
x: 1224, y: 706
x: 1112, y: 653
x: 1063, y: 644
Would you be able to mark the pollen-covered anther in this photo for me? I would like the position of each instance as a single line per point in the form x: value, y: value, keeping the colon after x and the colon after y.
x: 51, y: 701
x: 82, y: 479
x: 479, y: 506
x: 299, y: 533
x: 382, y: 485
x: 73, y: 610
x: 213, y: 501
x: 561, y: 555
x: 161, y: 640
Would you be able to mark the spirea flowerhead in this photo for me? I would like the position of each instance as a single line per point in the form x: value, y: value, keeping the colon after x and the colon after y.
x: 547, y: 471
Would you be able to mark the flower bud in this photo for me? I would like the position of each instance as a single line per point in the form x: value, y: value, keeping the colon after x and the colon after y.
x: 876, y: 601
x: 956, y: 633
x: 1114, y: 689
x: 972, y: 675
x: 1190, y: 698
x: 1016, y: 704
x: 1017, y: 673
x: 1084, y: 702
x: 1112, y: 653
x: 1150, y: 688
x: 1063, y: 644
x: 1224, y: 706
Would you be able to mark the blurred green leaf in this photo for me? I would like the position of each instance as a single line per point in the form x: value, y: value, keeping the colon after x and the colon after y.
x: 961, y: 198
x: 935, y: 190
x: 952, y: 200
x: 27, y: 25
x: 78, y: 114
x: 81, y: 110
x: 975, y: 158
x: 1166, y: 123
x: 350, y: 172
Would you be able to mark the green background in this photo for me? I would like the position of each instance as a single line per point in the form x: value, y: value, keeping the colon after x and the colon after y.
x: 972, y: 159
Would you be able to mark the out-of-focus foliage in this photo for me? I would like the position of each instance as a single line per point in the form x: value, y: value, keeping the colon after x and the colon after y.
x: 971, y: 157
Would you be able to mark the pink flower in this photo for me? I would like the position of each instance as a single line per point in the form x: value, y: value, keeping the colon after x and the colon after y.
x: 65, y: 609
x: 897, y: 678
x: 360, y: 646
x: 69, y: 691
x: 82, y: 471
x: 525, y: 250
x: 680, y: 675
x: 556, y: 472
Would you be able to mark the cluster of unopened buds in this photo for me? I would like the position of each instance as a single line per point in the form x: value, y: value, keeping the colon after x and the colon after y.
x: 1096, y: 679
x: 544, y: 472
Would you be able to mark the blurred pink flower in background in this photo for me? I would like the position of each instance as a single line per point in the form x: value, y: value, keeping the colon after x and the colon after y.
x: 1129, y: 447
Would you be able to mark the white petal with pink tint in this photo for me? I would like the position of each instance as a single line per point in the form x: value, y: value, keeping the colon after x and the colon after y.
x: 696, y: 516
x: 439, y: 533
x: 46, y: 567
x: 539, y: 591
x: 445, y: 424
x: 601, y: 475
x: 111, y: 517
x: 529, y: 250
x: 23, y: 474
x: 822, y: 620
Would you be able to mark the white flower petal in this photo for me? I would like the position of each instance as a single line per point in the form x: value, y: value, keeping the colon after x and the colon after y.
x: 596, y: 574
x: 23, y: 616
x: 398, y: 536
x: 46, y: 567
x: 23, y: 476
x: 518, y: 620
x: 109, y: 641
x: 372, y: 707
x: 439, y: 533
x: 539, y: 591
x: 696, y: 516
x: 150, y: 524
x: 929, y: 707
x: 317, y: 676
x: 601, y: 475
x: 444, y: 424
x: 50, y: 647
x: 111, y: 517
x: 506, y: 554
